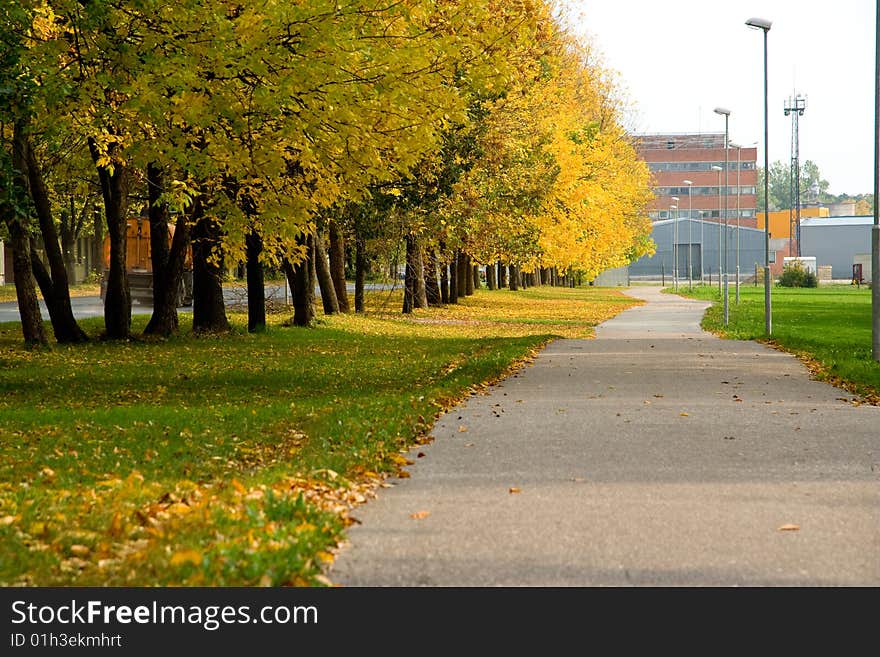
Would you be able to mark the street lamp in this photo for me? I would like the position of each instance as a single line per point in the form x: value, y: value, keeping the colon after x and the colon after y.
x: 875, y: 232
x: 718, y: 169
x: 690, y: 183
x: 721, y: 111
x: 702, y: 257
x: 764, y: 25
x: 674, y: 244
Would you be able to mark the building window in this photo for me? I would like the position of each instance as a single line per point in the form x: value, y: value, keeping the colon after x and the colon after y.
x: 670, y: 144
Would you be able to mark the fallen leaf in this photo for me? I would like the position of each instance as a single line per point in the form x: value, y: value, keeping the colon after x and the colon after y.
x: 514, y: 489
x: 789, y: 528
x: 7, y: 520
x: 462, y: 429
x: 419, y: 515
x: 193, y: 557
x: 79, y: 550
x: 237, y: 485
x: 684, y: 415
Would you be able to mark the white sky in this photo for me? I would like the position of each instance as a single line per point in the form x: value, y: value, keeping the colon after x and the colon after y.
x: 679, y: 59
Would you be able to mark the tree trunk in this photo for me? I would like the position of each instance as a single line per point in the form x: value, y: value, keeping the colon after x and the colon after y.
x: 453, y: 279
x: 421, y: 296
x: 160, y: 250
x: 209, y: 306
x: 432, y: 290
x: 56, y: 290
x: 360, y: 272
x: 490, y: 277
x: 313, y: 272
x: 461, y: 274
x: 476, y: 277
x: 97, y: 242
x: 502, y: 275
x: 325, y: 280
x: 117, y: 301
x: 468, y: 276
x: 514, y: 278
x: 32, y: 328
x: 410, y: 275
x: 299, y: 279
x: 444, y: 283
x: 67, y: 231
x: 164, y: 319
x: 256, y: 288
x: 337, y: 266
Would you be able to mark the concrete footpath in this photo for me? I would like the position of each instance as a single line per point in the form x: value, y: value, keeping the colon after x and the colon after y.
x: 654, y: 455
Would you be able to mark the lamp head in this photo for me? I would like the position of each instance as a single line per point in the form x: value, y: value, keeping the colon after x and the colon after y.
x: 674, y: 198
x: 688, y: 182
x: 715, y: 167
x: 759, y: 23
x: 722, y: 111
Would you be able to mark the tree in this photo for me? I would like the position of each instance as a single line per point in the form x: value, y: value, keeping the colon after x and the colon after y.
x: 813, y: 188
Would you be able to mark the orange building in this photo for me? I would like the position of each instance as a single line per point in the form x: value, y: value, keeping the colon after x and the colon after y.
x: 780, y: 220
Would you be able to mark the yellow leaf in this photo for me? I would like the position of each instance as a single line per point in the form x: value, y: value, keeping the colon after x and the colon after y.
x: 178, y: 507
x: 514, y: 489
x: 239, y: 488
x: 419, y: 515
x: 79, y: 550
x: 789, y: 528
x: 462, y: 429
x: 6, y: 520
x: 186, y: 556
x: 683, y: 414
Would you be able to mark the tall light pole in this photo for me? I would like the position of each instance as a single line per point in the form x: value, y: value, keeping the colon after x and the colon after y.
x: 764, y: 25
x: 702, y: 258
x: 875, y: 232
x: 674, y: 244
x: 690, y: 183
x: 718, y: 169
x: 721, y: 111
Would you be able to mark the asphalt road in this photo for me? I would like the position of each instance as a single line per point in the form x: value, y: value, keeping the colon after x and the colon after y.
x: 84, y: 307
x: 654, y: 455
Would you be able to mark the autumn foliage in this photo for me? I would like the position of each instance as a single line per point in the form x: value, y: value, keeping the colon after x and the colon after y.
x: 482, y: 133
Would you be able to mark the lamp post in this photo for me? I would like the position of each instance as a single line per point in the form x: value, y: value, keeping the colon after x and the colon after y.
x: 702, y: 259
x: 690, y: 267
x: 875, y: 232
x: 764, y: 25
x: 721, y: 111
x: 674, y: 244
x: 718, y: 169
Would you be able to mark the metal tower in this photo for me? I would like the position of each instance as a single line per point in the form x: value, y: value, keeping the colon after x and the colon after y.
x: 795, y: 107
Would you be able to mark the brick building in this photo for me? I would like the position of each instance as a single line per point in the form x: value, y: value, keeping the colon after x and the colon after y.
x: 674, y: 158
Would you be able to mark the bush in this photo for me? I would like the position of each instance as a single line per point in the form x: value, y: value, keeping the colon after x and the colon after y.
x: 795, y: 275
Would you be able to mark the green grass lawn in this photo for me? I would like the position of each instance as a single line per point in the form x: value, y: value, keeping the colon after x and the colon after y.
x: 828, y: 326
x: 235, y: 460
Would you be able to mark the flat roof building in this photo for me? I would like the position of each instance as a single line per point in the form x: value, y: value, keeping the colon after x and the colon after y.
x: 838, y: 242
x: 676, y: 157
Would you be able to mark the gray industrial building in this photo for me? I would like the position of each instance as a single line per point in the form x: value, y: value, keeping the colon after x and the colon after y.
x: 836, y: 241
x: 699, y: 239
